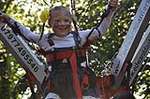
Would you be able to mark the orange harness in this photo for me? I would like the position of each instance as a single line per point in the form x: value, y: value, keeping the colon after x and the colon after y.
x: 72, y: 56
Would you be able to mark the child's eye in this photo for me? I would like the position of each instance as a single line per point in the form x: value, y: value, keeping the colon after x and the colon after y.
x: 56, y: 20
x: 66, y: 20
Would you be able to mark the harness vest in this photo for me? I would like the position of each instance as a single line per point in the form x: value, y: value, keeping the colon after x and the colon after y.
x: 75, y: 57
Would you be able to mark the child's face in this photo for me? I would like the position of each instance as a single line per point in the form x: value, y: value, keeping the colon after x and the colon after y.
x: 60, y: 22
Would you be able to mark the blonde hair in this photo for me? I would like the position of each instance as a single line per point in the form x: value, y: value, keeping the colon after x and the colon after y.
x: 59, y: 8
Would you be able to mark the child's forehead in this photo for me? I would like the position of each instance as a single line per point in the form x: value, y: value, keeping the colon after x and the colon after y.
x: 61, y: 13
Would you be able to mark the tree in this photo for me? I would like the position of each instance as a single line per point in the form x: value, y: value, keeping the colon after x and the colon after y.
x: 88, y: 13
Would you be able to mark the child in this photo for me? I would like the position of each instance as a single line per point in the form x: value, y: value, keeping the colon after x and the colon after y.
x: 65, y: 51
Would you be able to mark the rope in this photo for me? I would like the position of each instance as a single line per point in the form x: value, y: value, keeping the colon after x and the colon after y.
x: 73, y: 8
x: 73, y: 12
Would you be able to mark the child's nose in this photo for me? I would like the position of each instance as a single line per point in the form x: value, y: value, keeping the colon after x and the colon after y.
x: 62, y: 23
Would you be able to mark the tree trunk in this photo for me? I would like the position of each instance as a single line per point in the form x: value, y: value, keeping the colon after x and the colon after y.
x: 4, y: 81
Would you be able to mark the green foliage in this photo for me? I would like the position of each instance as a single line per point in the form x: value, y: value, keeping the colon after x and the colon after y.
x: 88, y: 13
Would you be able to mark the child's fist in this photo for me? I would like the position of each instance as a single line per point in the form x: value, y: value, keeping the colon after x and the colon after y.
x: 113, y: 4
x: 4, y: 18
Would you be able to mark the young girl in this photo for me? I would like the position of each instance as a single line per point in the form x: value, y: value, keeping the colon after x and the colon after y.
x: 65, y: 51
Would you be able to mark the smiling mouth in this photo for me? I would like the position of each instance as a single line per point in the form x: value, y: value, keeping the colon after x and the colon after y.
x: 63, y: 28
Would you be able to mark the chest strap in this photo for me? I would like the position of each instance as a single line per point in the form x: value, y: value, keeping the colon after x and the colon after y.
x: 60, y: 55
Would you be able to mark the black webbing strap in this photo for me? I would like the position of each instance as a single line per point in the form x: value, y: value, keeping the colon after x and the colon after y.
x: 105, y: 14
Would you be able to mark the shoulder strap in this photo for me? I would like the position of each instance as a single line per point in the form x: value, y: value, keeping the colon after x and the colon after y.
x: 77, y: 38
x: 51, y: 43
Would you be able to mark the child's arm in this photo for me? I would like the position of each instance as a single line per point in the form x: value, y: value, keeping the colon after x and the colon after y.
x: 95, y: 33
x: 19, y: 29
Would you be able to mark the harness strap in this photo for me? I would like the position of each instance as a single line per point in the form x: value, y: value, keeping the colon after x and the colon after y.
x: 58, y: 56
x: 54, y: 56
x: 72, y: 56
x: 76, y: 82
x: 77, y: 38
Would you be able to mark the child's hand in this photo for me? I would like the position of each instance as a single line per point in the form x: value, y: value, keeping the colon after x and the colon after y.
x: 4, y: 18
x: 113, y: 4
